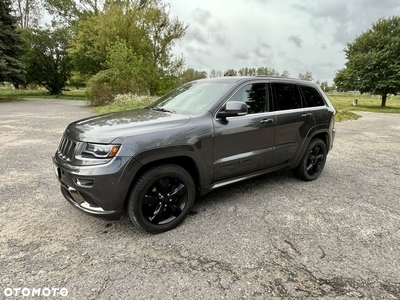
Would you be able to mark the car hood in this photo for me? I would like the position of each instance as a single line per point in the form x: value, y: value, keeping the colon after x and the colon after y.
x: 106, y: 128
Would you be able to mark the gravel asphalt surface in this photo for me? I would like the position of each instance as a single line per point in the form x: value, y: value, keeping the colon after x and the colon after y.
x: 269, y: 238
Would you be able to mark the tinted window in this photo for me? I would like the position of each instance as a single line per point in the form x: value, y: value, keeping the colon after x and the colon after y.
x: 192, y: 97
x: 312, y: 96
x: 287, y: 96
x: 255, y: 96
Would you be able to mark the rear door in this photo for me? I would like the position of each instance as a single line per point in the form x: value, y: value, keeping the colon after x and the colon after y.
x: 319, y: 108
x: 316, y: 103
x: 244, y: 144
x: 293, y: 122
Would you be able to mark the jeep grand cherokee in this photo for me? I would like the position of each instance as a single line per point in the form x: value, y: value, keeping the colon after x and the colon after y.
x: 203, y: 135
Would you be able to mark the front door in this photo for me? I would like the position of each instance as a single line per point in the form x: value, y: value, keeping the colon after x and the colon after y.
x: 244, y: 144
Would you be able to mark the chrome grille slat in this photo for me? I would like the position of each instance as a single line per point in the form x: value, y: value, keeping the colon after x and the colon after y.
x: 66, y: 149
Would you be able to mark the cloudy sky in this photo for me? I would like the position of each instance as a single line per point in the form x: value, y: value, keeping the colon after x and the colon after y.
x: 292, y: 35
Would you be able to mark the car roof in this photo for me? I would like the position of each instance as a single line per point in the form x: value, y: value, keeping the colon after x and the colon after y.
x: 247, y: 78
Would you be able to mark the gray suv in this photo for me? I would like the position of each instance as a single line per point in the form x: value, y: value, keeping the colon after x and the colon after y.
x: 206, y: 134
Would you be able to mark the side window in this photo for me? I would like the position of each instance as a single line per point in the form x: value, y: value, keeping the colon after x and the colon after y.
x: 287, y: 96
x: 312, y: 96
x: 255, y: 95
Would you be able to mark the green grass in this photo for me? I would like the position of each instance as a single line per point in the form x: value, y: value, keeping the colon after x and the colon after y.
x: 346, y: 116
x: 17, y: 95
x: 343, y: 102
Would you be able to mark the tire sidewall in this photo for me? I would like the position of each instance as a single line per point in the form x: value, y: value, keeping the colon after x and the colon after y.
x: 143, y: 185
x: 304, y: 173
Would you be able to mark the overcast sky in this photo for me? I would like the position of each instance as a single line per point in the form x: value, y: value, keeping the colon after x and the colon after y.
x: 292, y: 35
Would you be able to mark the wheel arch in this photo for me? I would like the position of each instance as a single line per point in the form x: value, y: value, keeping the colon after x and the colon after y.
x: 183, y: 161
x: 320, y: 134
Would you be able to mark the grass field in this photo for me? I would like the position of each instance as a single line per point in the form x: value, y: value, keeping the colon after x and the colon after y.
x: 343, y: 102
x: 17, y: 95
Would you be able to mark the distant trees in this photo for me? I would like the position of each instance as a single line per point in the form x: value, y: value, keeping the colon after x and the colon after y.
x: 12, y: 68
x: 46, y: 58
x: 216, y: 73
x: 373, y: 61
x: 109, y: 46
x: 285, y: 74
x: 261, y: 71
x: 191, y: 74
x: 306, y: 76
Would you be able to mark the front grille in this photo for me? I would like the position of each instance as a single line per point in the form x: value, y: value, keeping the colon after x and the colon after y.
x: 66, y: 149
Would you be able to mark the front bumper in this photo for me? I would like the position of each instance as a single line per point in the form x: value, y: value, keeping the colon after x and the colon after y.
x: 96, y: 190
x: 75, y: 198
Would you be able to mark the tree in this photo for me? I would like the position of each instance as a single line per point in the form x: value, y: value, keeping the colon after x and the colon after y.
x: 11, y: 47
x: 306, y: 76
x: 285, y: 73
x: 325, y: 86
x: 28, y: 12
x: 373, y: 61
x: 46, y: 58
x: 69, y: 12
x: 147, y: 32
x: 191, y: 74
x: 265, y: 71
x: 230, y: 72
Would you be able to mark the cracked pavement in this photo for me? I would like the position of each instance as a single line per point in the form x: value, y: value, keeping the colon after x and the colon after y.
x: 269, y: 238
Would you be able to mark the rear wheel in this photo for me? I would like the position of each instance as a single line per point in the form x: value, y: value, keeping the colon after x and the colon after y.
x: 161, y: 198
x: 313, y: 161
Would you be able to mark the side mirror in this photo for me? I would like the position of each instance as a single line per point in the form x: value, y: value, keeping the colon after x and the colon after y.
x: 233, y: 109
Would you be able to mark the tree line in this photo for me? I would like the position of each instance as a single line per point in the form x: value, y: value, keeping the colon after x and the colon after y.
x: 121, y: 46
x: 109, y: 46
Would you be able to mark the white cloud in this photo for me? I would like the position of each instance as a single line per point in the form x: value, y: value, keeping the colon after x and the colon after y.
x: 292, y: 35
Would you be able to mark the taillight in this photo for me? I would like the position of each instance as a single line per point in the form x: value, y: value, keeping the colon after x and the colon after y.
x: 334, y: 112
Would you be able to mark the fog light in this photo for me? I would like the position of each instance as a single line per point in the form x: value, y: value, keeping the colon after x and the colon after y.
x: 83, y: 182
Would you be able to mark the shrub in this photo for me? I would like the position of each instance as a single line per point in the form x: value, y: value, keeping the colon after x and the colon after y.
x: 133, y: 99
x: 99, y: 91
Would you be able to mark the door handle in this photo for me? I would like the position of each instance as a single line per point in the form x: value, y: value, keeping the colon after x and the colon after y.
x: 306, y: 115
x: 265, y: 121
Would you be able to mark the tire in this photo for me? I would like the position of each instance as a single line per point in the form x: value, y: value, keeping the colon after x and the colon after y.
x: 161, y: 198
x: 313, y: 161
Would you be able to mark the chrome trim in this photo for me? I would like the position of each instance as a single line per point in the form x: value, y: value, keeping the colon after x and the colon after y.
x: 77, y: 200
x: 66, y: 148
x: 245, y: 177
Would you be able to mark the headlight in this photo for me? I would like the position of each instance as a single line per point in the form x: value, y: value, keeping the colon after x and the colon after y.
x: 99, y: 150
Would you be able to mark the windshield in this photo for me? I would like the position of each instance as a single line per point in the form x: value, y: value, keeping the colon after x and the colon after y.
x: 191, y: 98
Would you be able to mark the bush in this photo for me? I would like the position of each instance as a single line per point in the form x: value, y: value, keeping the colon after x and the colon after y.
x: 133, y: 99
x: 99, y: 91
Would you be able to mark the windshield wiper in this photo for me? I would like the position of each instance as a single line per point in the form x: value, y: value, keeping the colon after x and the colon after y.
x: 160, y: 108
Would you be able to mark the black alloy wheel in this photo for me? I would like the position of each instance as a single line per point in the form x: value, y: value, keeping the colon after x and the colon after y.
x: 313, y: 161
x: 164, y: 201
x: 161, y: 198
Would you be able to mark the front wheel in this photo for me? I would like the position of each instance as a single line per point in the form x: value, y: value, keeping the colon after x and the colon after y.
x: 161, y: 198
x: 313, y: 161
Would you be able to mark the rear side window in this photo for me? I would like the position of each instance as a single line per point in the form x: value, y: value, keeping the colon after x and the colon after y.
x: 312, y: 96
x: 287, y: 96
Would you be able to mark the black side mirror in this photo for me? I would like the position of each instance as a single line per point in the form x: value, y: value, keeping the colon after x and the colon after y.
x: 232, y: 109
